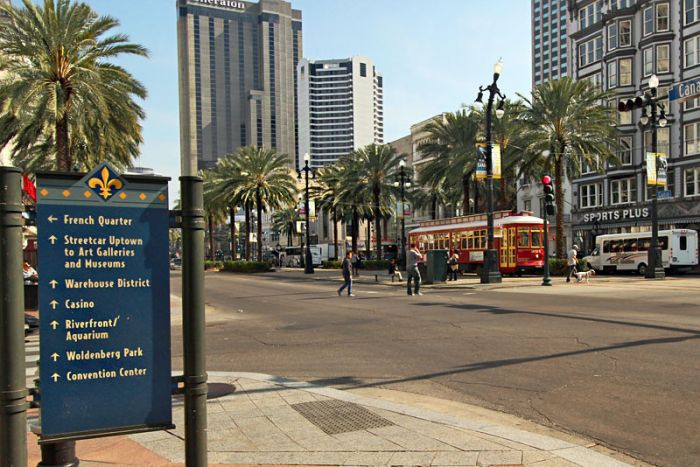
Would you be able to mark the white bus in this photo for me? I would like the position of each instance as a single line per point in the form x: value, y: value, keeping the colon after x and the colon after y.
x: 629, y: 251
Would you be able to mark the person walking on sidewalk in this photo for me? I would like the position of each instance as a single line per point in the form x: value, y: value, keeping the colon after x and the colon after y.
x: 453, y: 264
x: 347, y: 275
x: 571, y: 262
x: 413, y: 257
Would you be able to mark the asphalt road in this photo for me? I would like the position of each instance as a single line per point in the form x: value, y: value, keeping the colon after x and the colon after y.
x: 617, y: 364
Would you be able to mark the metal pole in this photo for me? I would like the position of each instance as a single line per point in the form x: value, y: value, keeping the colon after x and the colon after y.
x: 655, y: 268
x: 194, y: 337
x: 403, y: 221
x: 309, y: 267
x: 546, y: 280
x: 490, y: 273
x: 13, y: 391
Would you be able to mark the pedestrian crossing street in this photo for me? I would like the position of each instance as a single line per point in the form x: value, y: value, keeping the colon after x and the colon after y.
x: 31, y: 348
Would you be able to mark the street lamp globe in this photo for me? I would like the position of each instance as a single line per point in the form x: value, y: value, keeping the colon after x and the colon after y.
x: 653, y: 82
x: 663, y: 122
x: 396, y: 184
x: 408, y: 185
x: 402, y: 163
x: 498, y: 67
x: 644, y: 119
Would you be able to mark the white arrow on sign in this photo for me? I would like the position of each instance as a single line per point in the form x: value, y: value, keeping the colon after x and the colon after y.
x: 53, y: 304
x: 53, y: 239
x: 54, y: 324
x: 55, y: 377
x: 55, y: 356
x: 52, y: 219
x: 53, y: 283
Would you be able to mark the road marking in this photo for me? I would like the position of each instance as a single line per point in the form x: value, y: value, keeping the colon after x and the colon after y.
x: 469, y: 293
x: 366, y: 291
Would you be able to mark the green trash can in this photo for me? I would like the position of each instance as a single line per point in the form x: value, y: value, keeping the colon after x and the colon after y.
x: 436, y: 267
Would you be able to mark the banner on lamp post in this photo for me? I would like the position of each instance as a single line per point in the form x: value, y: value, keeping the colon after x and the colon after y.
x: 651, y: 168
x: 480, y: 162
x: 312, y: 208
x: 399, y: 210
x: 661, y: 169
x: 496, y: 161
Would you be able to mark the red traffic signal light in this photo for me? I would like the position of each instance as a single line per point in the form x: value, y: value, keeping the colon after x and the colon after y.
x: 546, y: 180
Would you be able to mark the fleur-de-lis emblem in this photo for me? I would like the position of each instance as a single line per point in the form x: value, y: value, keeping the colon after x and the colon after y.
x: 105, y: 184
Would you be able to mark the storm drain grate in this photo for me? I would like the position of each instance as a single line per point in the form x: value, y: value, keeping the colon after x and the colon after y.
x: 334, y: 417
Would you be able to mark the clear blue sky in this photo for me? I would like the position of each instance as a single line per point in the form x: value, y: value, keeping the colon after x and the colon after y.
x: 433, y: 56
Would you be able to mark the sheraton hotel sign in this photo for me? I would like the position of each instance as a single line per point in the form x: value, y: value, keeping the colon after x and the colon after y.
x: 222, y: 3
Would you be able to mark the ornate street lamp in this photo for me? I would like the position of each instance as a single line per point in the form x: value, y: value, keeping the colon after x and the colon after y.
x: 490, y: 273
x: 650, y: 103
x: 309, y: 263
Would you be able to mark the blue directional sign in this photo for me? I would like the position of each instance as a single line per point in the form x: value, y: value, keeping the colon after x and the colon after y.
x: 664, y: 194
x: 104, y: 299
x: 684, y: 90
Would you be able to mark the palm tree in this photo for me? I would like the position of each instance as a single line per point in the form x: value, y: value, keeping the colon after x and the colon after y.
x: 255, y: 175
x: 375, y: 168
x: 214, y: 208
x: 62, y: 102
x: 285, y: 221
x: 327, y: 195
x: 566, y: 121
x: 507, y: 133
x: 451, y: 144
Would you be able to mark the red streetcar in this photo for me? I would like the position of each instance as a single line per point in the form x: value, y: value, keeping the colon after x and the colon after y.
x: 518, y: 238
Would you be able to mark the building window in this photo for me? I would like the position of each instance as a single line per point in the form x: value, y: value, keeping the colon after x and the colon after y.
x: 625, y: 152
x: 625, y: 76
x: 648, y: 61
x: 612, y: 74
x: 623, y: 191
x: 691, y: 51
x: 590, y: 52
x: 692, y: 182
x: 691, y: 137
x: 650, y: 191
x: 624, y: 118
x: 692, y: 7
x: 363, y: 70
x: 625, y: 31
x: 662, y: 141
x: 648, y: 21
x: 596, y: 80
x: 691, y: 104
x: 612, y: 36
x: 661, y: 17
x: 591, y: 195
x: 589, y: 15
x: 662, y: 58
x: 527, y: 205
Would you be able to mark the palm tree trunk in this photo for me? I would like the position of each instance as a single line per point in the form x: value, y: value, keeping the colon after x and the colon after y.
x: 559, y: 199
x: 247, y: 230
x: 476, y: 197
x: 503, y: 201
x: 211, y: 237
x: 258, y: 202
x: 335, y: 233
x: 465, y: 189
x: 63, y: 158
x: 433, y: 208
x: 368, y: 241
x: 355, y: 229
x: 290, y: 235
x: 378, y: 223
x: 232, y: 213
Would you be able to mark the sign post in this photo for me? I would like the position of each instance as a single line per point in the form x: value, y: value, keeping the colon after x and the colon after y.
x: 104, y: 294
x: 13, y: 392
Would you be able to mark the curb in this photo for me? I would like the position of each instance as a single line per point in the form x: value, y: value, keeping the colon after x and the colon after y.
x: 575, y: 453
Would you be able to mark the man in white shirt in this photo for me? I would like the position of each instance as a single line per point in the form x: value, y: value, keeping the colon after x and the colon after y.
x: 571, y: 262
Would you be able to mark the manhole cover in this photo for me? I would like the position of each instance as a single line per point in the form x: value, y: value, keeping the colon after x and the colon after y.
x: 334, y: 417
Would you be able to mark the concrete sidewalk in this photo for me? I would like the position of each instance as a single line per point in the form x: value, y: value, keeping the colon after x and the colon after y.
x: 274, y: 421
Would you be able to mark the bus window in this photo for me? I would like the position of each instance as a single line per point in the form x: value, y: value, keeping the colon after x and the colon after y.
x: 606, y: 246
x: 536, y: 238
x: 684, y: 242
x: 644, y: 244
x: 663, y: 243
x: 523, y: 238
x: 630, y: 245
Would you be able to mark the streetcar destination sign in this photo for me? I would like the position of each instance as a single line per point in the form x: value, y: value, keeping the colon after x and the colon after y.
x: 105, y: 304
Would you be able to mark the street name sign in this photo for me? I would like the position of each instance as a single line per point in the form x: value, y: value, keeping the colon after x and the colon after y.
x: 664, y: 194
x: 684, y: 90
x: 104, y: 297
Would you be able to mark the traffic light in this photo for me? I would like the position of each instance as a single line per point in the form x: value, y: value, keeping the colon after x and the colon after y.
x: 548, y: 195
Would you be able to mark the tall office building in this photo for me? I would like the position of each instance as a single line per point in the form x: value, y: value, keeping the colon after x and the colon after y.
x: 237, y: 63
x: 341, y: 107
x: 549, y: 40
x: 619, y: 45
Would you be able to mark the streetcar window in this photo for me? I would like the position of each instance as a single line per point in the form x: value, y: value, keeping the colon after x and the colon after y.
x: 464, y: 243
x: 536, y: 238
x: 523, y: 238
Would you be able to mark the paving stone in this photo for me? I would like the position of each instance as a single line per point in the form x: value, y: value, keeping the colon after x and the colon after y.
x: 151, y: 436
x: 368, y: 458
x: 499, y: 457
x: 412, y: 458
x: 230, y: 444
x: 554, y: 462
x: 410, y: 439
x: 528, y: 439
x: 368, y: 441
x: 530, y: 457
x: 171, y: 448
x: 584, y: 456
x: 455, y: 458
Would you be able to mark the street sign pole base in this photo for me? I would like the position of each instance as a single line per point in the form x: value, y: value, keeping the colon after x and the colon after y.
x: 547, y: 282
x: 490, y: 273
x: 58, y: 455
x: 309, y: 263
x: 655, y: 269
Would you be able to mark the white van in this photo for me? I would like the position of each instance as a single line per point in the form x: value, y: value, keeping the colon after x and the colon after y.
x: 629, y: 251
